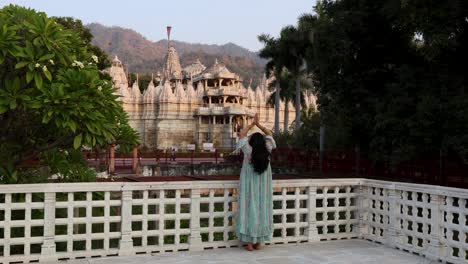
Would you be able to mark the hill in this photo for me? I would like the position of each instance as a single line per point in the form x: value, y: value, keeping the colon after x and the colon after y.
x: 144, y: 56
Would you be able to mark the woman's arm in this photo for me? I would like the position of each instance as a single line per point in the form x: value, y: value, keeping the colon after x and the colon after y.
x: 264, y: 129
x: 246, y: 129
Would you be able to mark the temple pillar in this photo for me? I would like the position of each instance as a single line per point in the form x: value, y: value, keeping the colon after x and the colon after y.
x: 214, y: 120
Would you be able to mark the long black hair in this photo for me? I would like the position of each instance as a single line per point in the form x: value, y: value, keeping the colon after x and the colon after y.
x: 260, y: 157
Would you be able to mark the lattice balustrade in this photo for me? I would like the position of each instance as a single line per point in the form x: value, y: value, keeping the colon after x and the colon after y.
x: 160, y: 220
x: 48, y: 222
x: 217, y: 217
x: 290, y: 214
x: 336, y: 212
x: 21, y: 225
x: 454, y: 228
x: 87, y: 224
x: 377, y: 215
x: 427, y: 220
x: 413, y: 221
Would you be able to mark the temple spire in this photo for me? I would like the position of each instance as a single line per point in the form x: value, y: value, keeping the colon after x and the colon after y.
x: 168, y: 28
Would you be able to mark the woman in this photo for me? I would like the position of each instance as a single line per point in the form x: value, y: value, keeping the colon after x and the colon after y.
x: 254, y: 219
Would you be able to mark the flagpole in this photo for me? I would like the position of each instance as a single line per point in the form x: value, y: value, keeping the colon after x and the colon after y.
x: 168, y: 28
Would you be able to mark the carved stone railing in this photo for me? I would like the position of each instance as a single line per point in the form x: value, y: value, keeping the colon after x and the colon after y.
x: 49, y: 222
x: 430, y: 221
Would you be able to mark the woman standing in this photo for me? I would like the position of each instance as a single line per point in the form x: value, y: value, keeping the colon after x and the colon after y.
x: 254, y: 219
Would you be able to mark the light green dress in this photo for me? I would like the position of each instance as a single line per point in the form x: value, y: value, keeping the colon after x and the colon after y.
x: 254, y: 217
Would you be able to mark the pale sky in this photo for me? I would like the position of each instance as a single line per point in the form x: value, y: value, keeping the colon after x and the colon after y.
x: 199, y: 21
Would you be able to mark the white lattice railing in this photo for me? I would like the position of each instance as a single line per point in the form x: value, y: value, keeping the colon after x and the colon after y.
x: 427, y: 220
x: 48, y: 222
x: 67, y: 221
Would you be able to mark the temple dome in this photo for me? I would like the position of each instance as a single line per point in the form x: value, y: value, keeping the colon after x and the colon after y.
x: 117, y: 73
x: 194, y: 69
x: 190, y: 93
x: 166, y: 93
x: 217, y: 70
x: 151, y: 93
x: 172, y: 69
x: 179, y: 93
x: 116, y: 61
x: 136, y: 94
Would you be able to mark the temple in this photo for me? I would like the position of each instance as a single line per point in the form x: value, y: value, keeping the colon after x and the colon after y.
x: 195, y: 104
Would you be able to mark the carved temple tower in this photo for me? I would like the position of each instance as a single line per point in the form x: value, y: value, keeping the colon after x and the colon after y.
x: 194, y: 105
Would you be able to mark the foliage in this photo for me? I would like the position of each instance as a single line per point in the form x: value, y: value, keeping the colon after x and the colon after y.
x: 390, y: 74
x: 67, y: 166
x: 85, y: 34
x: 287, y: 83
x: 52, y: 97
x: 308, y: 135
x: 287, y: 52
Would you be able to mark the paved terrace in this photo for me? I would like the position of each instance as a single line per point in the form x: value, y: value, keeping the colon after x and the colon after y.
x: 336, y: 252
x: 315, y: 221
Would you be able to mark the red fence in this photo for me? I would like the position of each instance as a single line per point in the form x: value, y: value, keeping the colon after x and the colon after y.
x: 446, y: 171
x: 449, y: 171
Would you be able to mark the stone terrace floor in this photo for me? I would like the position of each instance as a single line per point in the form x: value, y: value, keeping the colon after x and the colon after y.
x: 336, y: 252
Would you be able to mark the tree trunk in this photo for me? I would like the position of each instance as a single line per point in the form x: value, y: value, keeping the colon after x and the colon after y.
x: 286, y: 116
x: 277, y: 109
x: 298, y: 103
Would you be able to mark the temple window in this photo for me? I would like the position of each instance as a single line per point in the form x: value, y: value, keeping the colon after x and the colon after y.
x: 210, y: 83
x: 205, y: 120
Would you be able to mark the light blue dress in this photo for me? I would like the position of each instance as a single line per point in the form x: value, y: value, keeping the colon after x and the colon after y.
x: 254, y: 217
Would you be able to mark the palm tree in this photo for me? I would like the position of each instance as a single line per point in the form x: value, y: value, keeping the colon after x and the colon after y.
x: 286, y: 82
x: 270, y: 51
x: 288, y: 52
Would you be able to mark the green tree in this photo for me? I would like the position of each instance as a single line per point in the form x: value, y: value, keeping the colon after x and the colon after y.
x: 52, y: 97
x: 84, y: 33
x: 287, y: 84
x: 308, y: 135
x: 390, y: 74
x: 273, y: 67
x: 286, y: 51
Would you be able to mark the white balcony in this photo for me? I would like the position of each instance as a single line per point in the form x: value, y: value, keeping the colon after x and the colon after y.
x: 50, y: 222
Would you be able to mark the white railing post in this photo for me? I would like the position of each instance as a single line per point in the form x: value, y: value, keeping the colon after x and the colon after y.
x: 126, y: 242
x: 391, y: 228
x: 312, y: 229
x: 435, y: 249
x: 195, y: 236
x: 48, y: 245
x: 362, y: 204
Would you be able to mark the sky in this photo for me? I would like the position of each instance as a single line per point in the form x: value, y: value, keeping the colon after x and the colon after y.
x: 200, y: 21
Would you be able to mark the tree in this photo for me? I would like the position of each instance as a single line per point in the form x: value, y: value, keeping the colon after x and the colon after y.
x: 391, y: 74
x: 287, y: 92
x: 270, y: 51
x: 52, y: 97
x: 84, y: 33
x: 286, y: 51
